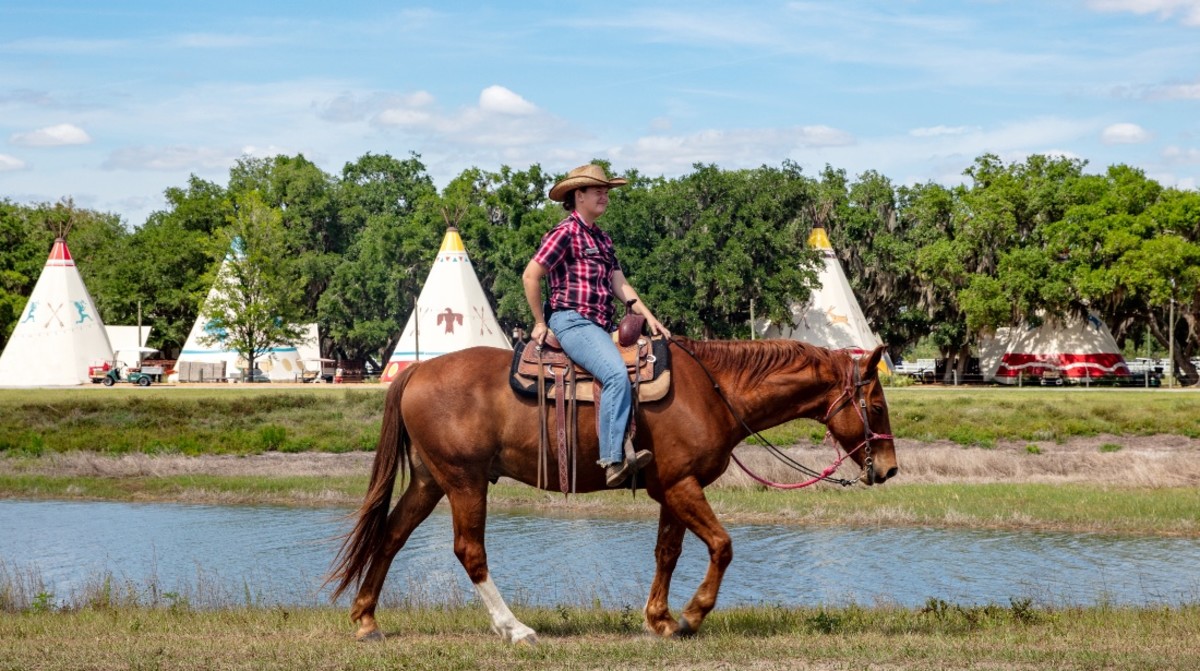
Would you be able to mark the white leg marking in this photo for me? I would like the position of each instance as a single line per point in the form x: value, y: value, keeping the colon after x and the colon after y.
x: 504, y: 622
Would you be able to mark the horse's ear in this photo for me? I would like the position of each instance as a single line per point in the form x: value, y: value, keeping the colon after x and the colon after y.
x: 873, y: 362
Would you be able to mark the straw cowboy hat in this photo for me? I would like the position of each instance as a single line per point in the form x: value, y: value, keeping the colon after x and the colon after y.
x: 584, y: 175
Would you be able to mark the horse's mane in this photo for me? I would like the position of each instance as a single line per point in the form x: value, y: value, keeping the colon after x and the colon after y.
x: 758, y: 358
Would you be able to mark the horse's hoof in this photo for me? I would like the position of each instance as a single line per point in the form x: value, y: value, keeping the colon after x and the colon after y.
x: 685, y: 630
x: 527, y: 641
x: 373, y: 636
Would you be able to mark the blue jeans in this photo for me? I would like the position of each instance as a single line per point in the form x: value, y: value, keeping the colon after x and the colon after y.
x: 592, y: 347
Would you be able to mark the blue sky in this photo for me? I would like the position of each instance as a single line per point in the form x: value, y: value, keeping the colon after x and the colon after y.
x: 113, y: 102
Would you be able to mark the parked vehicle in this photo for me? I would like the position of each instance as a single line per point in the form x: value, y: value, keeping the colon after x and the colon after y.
x: 133, y: 376
x: 922, y: 370
x: 113, y: 372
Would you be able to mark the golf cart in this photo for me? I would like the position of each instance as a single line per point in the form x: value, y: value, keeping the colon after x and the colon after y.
x: 110, y: 374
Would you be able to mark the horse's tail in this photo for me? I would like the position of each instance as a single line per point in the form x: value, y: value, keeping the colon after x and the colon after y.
x: 391, y: 454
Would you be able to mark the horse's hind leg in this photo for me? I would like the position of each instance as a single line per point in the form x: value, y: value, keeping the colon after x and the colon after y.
x: 666, y: 554
x: 686, y: 501
x: 415, y: 504
x: 468, y: 504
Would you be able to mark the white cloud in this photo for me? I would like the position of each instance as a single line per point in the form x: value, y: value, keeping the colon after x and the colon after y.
x: 503, y: 101
x: 822, y: 136
x: 60, y: 135
x: 1124, y: 133
x: 349, y: 107
x: 170, y: 158
x: 501, y: 119
x: 267, y: 151
x: 10, y: 163
x: 935, y: 131
x: 1176, y: 155
x: 747, y: 147
x: 1175, y: 92
x: 661, y: 124
x: 413, y: 118
x: 1189, y: 10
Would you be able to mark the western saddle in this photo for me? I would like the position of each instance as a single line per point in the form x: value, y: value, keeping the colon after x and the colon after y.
x: 547, y: 372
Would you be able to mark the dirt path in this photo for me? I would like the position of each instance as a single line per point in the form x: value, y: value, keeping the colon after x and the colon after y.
x: 1172, y: 461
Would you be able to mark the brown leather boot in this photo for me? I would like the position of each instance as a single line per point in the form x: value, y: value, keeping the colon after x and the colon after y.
x: 615, y: 474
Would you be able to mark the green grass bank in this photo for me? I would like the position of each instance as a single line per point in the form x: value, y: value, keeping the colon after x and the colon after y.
x: 249, y: 419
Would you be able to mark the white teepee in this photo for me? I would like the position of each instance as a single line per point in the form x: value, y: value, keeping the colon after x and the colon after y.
x: 1078, y: 349
x: 279, y: 364
x: 832, y: 317
x: 127, y: 343
x: 451, y: 313
x: 60, y: 333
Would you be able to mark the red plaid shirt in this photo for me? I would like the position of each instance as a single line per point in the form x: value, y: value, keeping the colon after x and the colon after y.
x: 579, y: 260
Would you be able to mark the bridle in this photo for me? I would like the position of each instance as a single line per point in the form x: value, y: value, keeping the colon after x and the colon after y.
x: 852, y: 394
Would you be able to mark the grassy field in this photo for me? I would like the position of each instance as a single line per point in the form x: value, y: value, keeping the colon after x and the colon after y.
x: 937, y: 636
x: 241, y: 419
x: 249, y: 419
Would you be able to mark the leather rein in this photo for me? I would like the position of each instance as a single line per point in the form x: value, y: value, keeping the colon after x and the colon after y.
x: 852, y: 394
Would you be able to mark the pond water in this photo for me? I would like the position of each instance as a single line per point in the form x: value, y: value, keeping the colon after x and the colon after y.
x: 234, y: 555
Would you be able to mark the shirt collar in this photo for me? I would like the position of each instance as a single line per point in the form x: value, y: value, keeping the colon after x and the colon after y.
x: 579, y: 217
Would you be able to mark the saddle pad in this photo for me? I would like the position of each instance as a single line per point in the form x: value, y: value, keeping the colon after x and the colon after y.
x: 650, y: 390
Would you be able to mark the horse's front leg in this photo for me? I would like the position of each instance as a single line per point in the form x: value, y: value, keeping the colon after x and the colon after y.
x: 468, y: 505
x: 687, y: 502
x: 419, y: 499
x: 666, y: 555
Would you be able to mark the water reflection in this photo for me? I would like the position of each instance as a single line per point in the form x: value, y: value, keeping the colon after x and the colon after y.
x: 273, y: 555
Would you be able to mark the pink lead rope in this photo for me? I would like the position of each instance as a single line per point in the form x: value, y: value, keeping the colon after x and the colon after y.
x: 834, y: 408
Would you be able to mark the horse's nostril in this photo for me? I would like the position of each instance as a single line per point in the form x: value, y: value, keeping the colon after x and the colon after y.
x: 891, y: 473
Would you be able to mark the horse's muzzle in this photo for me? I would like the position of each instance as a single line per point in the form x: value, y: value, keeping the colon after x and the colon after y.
x: 874, y: 476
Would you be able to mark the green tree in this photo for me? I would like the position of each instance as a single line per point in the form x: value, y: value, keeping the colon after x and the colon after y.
x: 164, y: 263
x: 256, y: 303
x: 502, y: 217
x: 700, y: 249
x: 1127, y: 253
x: 308, y: 202
x: 372, y: 289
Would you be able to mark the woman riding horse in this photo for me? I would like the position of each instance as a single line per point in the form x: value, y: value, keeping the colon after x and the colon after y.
x: 578, y: 259
x: 453, y: 424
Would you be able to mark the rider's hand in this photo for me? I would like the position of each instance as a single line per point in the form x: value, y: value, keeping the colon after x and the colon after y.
x: 538, y: 335
x: 656, y: 328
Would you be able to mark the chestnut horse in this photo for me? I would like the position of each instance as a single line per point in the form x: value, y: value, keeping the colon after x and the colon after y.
x: 454, y: 423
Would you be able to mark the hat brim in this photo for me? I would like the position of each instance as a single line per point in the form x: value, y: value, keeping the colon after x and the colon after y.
x: 560, y: 190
